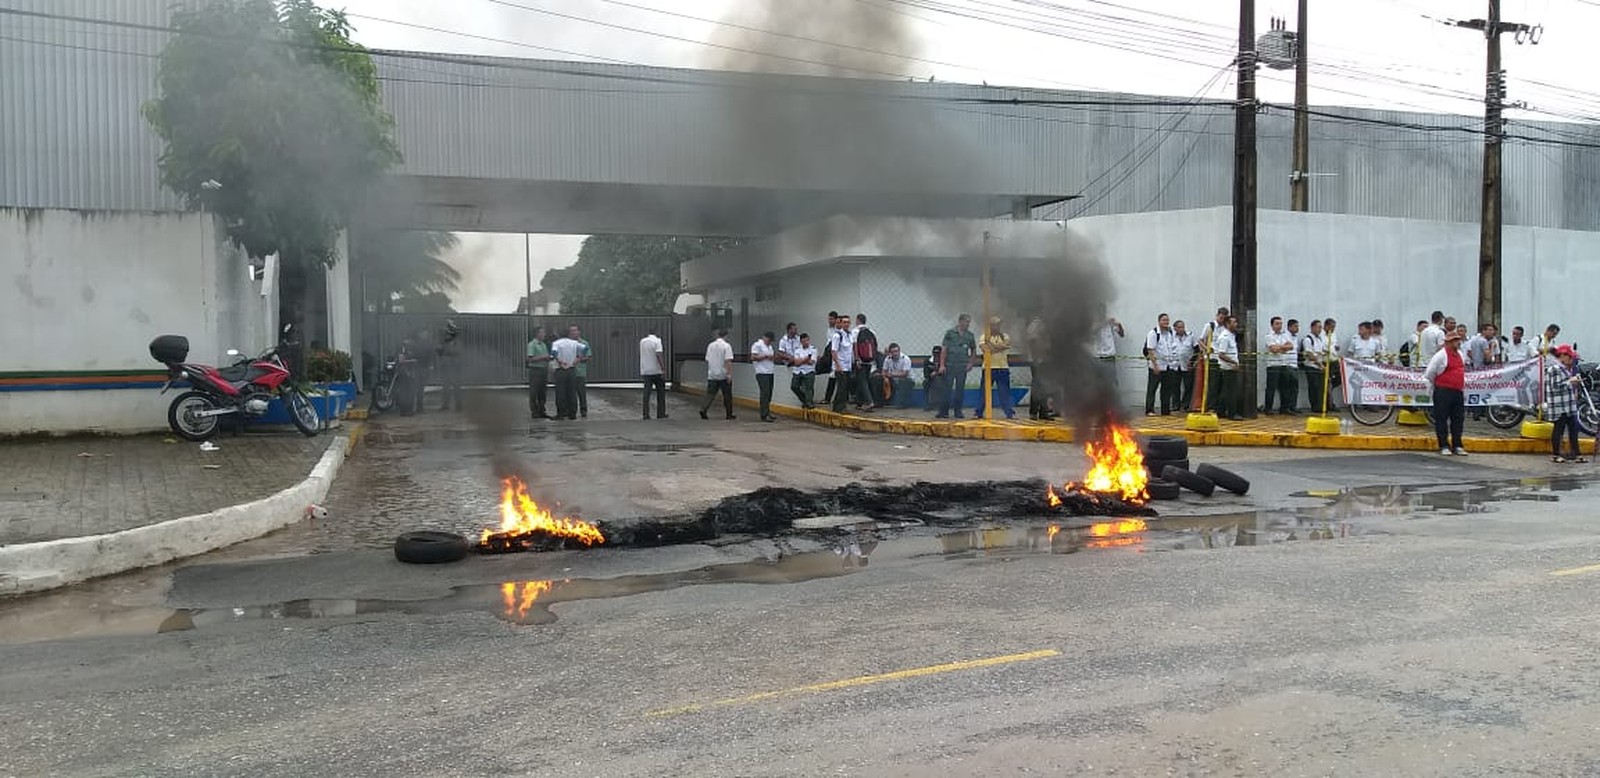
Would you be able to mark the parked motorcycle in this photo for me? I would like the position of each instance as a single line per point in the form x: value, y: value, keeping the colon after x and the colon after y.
x: 396, y: 384
x: 243, y: 389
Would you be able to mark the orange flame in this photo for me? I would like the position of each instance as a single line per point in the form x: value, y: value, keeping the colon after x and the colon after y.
x: 1054, y: 530
x: 1054, y: 500
x: 1106, y: 529
x: 520, y: 515
x: 517, y: 605
x: 1118, y: 466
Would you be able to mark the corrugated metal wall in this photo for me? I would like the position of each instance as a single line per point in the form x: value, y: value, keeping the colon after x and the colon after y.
x: 492, y: 345
x: 71, y: 135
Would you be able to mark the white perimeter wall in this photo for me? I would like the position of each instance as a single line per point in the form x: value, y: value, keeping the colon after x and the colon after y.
x: 87, y: 291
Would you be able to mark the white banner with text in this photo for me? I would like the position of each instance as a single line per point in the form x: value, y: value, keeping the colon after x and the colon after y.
x: 1370, y: 383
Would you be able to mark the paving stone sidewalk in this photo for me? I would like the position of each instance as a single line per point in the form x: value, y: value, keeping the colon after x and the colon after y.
x: 72, y: 487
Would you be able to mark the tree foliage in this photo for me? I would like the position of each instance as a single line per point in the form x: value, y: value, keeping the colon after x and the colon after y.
x: 404, y: 264
x: 632, y: 274
x: 272, y: 100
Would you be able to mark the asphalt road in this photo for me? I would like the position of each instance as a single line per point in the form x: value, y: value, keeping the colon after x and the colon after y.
x: 1444, y: 626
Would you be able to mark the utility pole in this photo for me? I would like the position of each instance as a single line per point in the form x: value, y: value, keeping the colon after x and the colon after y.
x: 1299, y: 181
x: 1242, y: 293
x: 1490, y: 284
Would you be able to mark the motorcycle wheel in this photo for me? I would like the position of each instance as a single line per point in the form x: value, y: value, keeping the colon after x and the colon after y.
x: 1505, y: 416
x: 382, y: 398
x: 302, y: 413
x: 1372, y: 415
x: 1589, y: 419
x: 182, y: 418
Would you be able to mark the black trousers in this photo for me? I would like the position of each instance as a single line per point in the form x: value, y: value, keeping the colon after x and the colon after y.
x: 1224, y: 399
x: 580, y: 386
x: 764, y: 384
x: 1169, y: 383
x: 715, y: 385
x: 1568, y: 423
x: 566, y: 393
x: 657, y: 383
x: 1449, y: 413
x: 1281, y: 381
x: 1314, y: 387
x: 1186, y: 398
x: 538, y: 379
x: 450, y: 378
x: 861, y: 380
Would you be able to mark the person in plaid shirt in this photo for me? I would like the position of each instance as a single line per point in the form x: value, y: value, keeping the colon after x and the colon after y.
x: 1560, y: 381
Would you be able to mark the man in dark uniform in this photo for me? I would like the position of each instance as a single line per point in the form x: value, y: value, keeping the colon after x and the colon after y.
x: 449, y: 365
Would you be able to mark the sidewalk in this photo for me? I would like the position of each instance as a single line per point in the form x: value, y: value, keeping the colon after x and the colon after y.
x: 1273, y: 431
x: 75, y: 508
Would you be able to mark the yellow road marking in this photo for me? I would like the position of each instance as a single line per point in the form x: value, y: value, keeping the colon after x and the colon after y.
x: 1577, y: 570
x: 864, y: 680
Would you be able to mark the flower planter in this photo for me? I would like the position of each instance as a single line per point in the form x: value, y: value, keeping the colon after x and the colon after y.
x: 331, y: 405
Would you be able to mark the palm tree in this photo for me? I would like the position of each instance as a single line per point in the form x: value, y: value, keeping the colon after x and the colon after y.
x: 404, y: 264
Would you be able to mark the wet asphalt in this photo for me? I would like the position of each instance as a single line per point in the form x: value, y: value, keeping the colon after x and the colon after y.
x: 1365, y: 614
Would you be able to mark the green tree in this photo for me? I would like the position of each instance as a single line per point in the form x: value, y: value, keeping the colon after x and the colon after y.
x: 632, y: 274
x: 271, y: 100
x: 404, y: 264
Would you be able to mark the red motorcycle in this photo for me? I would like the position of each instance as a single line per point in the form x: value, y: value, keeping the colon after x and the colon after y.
x: 243, y: 389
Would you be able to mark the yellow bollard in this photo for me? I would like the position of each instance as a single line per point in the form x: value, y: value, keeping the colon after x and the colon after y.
x: 1203, y: 421
x: 1413, y: 418
x: 1538, y: 428
x: 1324, y: 424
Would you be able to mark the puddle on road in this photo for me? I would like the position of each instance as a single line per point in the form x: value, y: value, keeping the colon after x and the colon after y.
x: 1436, y: 500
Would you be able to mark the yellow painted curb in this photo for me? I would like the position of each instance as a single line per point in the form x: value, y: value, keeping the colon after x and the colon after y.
x: 982, y: 429
x: 356, y: 414
x: 1322, y: 425
x: 1538, y: 430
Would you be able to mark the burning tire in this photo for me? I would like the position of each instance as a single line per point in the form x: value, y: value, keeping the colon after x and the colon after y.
x: 1167, y: 447
x: 1194, y: 482
x: 1155, y: 466
x: 429, y: 547
x: 1160, y: 489
x: 1226, y: 479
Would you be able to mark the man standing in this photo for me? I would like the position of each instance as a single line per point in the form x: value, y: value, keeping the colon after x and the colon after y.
x: 1161, y: 351
x: 1483, y: 348
x: 1105, y: 350
x: 955, y: 357
x: 825, y: 360
x: 1430, y: 341
x: 788, y: 343
x: 843, y: 347
x: 1518, y: 349
x: 1281, y: 363
x: 1041, y: 400
x: 564, y: 352
x: 1330, y: 342
x: 803, y: 372
x: 866, y: 346
x: 1363, y: 346
x: 449, y: 361
x: 762, y: 359
x: 1313, y: 360
x: 897, y: 378
x: 1186, y: 363
x: 1225, y: 391
x: 1384, y: 355
x: 996, y: 353
x: 538, y: 362
x: 580, y: 377
x: 1447, y: 373
x: 653, y: 370
x: 1548, y: 342
x: 719, y: 374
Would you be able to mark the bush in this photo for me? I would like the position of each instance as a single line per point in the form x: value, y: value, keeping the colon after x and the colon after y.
x: 324, y: 367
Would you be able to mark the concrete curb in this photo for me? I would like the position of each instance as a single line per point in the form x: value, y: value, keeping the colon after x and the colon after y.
x: 33, y: 567
x: 983, y: 429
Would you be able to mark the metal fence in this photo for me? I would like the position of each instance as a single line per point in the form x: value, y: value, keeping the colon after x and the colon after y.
x: 493, y: 345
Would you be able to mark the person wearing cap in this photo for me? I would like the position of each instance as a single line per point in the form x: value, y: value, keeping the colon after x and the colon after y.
x: 996, y: 347
x: 1448, y: 373
x: 1560, y: 382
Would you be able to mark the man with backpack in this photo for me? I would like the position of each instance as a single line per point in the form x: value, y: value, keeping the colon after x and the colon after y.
x: 843, y: 349
x: 825, y: 359
x: 866, y: 360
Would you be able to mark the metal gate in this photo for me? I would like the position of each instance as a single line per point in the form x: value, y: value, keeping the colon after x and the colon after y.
x: 492, y: 345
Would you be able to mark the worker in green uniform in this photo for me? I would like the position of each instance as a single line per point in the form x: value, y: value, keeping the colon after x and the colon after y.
x: 538, y: 362
x: 582, y: 375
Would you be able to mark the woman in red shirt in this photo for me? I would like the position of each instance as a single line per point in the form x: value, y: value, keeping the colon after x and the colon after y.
x: 1448, y: 375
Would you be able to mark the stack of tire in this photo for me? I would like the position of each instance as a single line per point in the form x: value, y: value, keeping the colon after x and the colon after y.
x: 1167, y: 459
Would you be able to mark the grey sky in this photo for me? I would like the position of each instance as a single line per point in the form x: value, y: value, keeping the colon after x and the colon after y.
x: 1379, y: 53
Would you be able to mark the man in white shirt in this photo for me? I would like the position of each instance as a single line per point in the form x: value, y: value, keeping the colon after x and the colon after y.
x: 1483, y: 349
x: 844, y: 362
x: 763, y: 357
x: 788, y: 343
x: 1313, y: 361
x: 719, y: 374
x: 1363, y: 346
x: 1161, y: 352
x: 1105, y: 349
x: 1186, y: 363
x: 1384, y: 354
x: 896, y: 373
x: 1548, y: 342
x: 1225, y: 387
x: 1430, y: 341
x: 653, y: 370
x: 1519, y: 350
x: 803, y: 372
x: 1282, y: 359
x: 565, y: 353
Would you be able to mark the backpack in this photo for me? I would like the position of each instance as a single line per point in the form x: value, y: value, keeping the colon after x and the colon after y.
x: 825, y: 359
x: 866, y: 346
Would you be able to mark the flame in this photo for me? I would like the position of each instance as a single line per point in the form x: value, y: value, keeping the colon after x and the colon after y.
x: 520, y: 515
x: 518, y: 604
x: 1106, y: 529
x: 1055, y: 502
x: 1054, y: 530
x: 1118, y: 466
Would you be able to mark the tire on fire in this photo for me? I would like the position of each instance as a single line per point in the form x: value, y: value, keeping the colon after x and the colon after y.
x: 1226, y: 479
x: 1167, y: 447
x: 1194, y: 482
x: 429, y: 547
x: 1160, y: 489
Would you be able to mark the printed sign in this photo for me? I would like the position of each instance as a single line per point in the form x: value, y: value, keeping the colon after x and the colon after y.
x: 1370, y: 383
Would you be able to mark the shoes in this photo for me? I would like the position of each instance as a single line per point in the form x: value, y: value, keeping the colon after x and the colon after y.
x: 1444, y: 452
x: 959, y: 416
x: 942, y: 416
x: 1460, y: 452
x: 1011, y: 415
x: 1558, y: 459
x: 703, y: 415
x: 731, y: 417
x: 1236, y: 417
x: 585, y: 414
x: 661, y: 416
x: 769, y: 420
x: 647, y: 417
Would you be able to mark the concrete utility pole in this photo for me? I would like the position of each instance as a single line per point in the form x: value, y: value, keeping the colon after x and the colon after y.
x: 1299, y: 181
x: 1490, y: 285
x: 1242, y: 294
